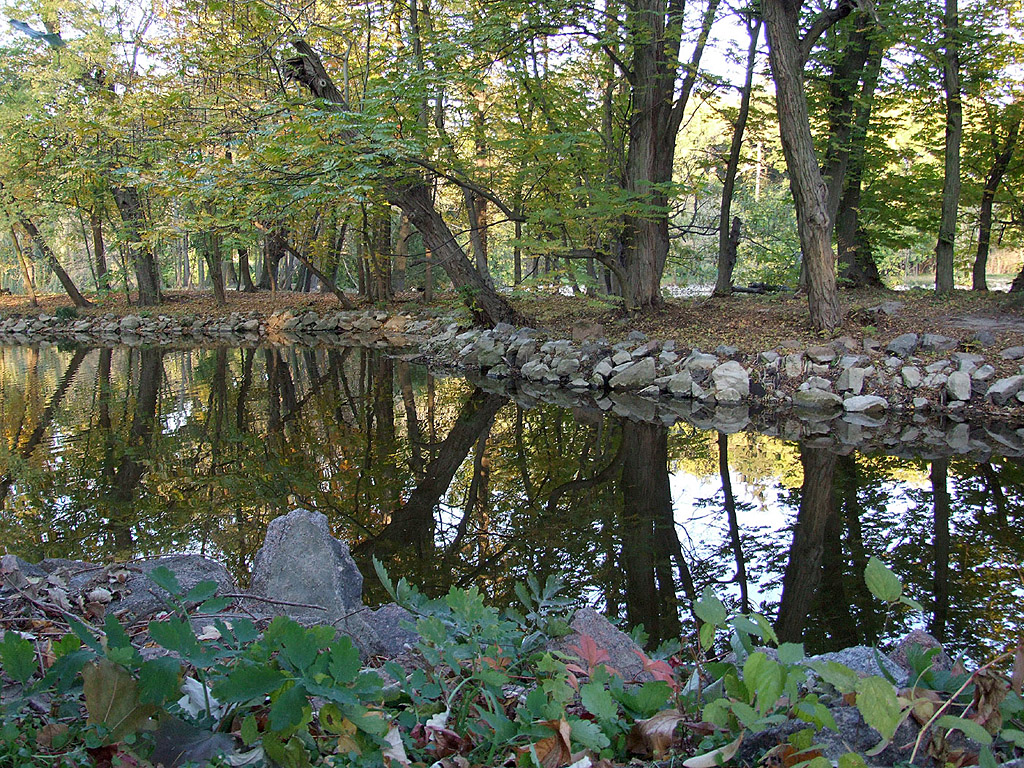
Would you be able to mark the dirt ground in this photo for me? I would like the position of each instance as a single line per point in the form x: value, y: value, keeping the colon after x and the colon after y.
x: 749, y: 322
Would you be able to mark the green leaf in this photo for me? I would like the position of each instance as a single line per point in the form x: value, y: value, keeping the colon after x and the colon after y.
x: 164, y: 577
x: 201, y: 592
x: 112, y: 699
x: 709, y: 608
x: 647, y: 699
x: 287, y: 711
x: 588, y: 735
x: 839, y: 676
x: 851, y: 760
x: 159, y: 680
x: 177, y: 742
x: 971, y: 729
x: 250, y: 731
x: 882, y: 582
x: 747, y: 716
x: 791, y: 653
x: 1013, y: 736
x: 598, y: 701
x: 175, y: 635
x: 766, y: 678
x: 17, y: 657
x: 248, y: 682
x: 707, y: 635
x: 344, y: 660
x: 878, y: 705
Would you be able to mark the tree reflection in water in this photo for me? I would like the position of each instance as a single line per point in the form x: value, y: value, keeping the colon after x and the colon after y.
x: 119, y: 453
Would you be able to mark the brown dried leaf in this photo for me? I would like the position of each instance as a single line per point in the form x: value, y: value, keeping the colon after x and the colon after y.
x: 1017, y: 680
x: 655, y: 735
x: 553, y: 751
x: 715, y: 757
x: 990, y: 689
x: 49, y: 733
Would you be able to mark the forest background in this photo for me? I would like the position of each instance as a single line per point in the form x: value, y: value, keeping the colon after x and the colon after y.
x: 617, y: 147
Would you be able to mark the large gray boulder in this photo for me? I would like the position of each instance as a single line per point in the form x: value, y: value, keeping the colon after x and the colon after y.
x: 622, y: 651
x: 301, y: 562
x: 1002, y: 391
x: 731, y: 378
x: 904, y: 345
x: 635, y: 376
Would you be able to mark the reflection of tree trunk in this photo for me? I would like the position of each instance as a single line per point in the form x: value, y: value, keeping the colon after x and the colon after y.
x: 648, y: 531
x: 243, y: 389
x: 849, y: 481
x: 833, y: 617
x: 940, y: 547
x: 995, y: 488
x: 26, y: 448
x: 524, y: 470
x: 734, y: 525
x: 803, y: 571
x: 413, y: 523
x: 131, y: 469
x: 412, y: 423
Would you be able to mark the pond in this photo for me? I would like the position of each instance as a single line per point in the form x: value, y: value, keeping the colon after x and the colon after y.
x: 127, y: 452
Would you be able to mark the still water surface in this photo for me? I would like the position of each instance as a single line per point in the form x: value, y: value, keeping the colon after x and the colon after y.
x: 121, y: 453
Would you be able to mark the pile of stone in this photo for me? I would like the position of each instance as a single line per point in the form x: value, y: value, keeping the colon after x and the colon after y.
x: 912, y: 372
x: 371, y: 328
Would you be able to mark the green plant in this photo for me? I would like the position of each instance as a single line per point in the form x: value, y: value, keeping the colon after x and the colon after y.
x: 65, y: 313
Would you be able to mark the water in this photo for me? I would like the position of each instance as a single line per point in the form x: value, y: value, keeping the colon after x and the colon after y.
x: 121, y: 453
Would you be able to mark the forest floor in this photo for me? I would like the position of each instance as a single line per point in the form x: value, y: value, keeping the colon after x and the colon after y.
x: 751, y: 323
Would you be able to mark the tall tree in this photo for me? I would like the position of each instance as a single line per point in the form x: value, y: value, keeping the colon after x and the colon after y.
x: 788, y: 51
x: 951, y: 156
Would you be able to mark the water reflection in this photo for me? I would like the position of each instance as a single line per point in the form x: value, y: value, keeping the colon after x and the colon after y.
x: 120, y: 453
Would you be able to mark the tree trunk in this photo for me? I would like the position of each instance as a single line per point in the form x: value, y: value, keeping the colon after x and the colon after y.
x: 26, y: 276
x: 244, y: 271
x: 99, y: 249
x: 653, y: 127
x: 147, y: 279
x: 988, y: 196
x: 728, y: 237
x: 411, y: 193
x: 954, y: 133
x: 785, y: 52
x: 401, y: 255
x: 43, y: 247
x: 273, y: 252
x: 857, y: 267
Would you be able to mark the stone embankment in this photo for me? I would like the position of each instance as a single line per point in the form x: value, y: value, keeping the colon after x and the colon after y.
x: 865, y: 381
x: 911, y: 373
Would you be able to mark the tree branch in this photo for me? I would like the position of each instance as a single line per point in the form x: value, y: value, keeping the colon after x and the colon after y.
x: 821, y: 23
x: 458, y: 178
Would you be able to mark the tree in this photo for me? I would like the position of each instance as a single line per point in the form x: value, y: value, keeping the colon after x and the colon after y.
x: 788, y: 52
x: 954, y: 134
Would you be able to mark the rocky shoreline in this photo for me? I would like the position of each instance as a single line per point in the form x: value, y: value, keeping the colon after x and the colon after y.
x: 963, y: 380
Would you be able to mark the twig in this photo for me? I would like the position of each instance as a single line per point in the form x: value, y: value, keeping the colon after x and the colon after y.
x: 274, y: 602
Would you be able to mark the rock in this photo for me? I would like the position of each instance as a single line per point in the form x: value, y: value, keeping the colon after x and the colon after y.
x: 887, y: 308
x: 793, y: 365
x: 984, y: 373
x: 870, y: 404
x: 130, y: 322
x: 984, y: 338
x: 821, y: 354
x: 934, y: 342
x: 911, y: 376
x: 851, y: 380
x: 725, y: 350
x: 536, y: 370
x: 391, y: 638
x: 731, y: 376
x: 680, y: 384
x: 817, y: 400
x: 921, y: 403
x: 1012, y: 353
x: 622, y: 651
x: 635, y: 376
x: 636, y: 336
x: 1003, y: 390
x: 904, y: 345
x: 958, y: 386
x: 142, y: 597
x: 699, y: 361
x: 863, y: 660
x: 817, y: 382
x: 621, y: 357
x: 565, y: 366
x: 300, y: 562
x: 603, y: 369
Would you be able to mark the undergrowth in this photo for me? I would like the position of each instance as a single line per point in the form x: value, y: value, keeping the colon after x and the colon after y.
x: 481, y: 687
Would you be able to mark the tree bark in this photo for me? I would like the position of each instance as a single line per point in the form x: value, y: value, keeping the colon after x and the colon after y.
x: 857, y: 267
x: 26, y: 275
x: 44, y: 248
x: 147, y: 279
x: 244, y: 271
x: 787, y: 58
x: 954, y: 133
x: 1003, y: 156
x: 99, y: 249
x: 728, y: 237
